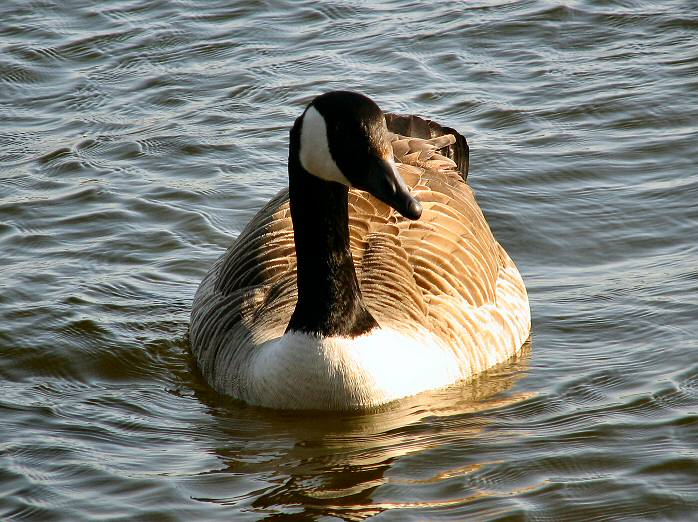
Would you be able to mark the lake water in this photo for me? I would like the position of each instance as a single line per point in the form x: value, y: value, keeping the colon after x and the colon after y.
x: 138, y: 137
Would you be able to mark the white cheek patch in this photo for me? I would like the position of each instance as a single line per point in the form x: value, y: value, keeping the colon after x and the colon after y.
x: 315, y: 154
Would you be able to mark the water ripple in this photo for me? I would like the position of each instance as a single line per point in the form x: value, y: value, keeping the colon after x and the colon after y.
x: 138, y: 138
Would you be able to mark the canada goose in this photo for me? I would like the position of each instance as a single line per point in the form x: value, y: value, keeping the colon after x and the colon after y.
x: 373, y: 277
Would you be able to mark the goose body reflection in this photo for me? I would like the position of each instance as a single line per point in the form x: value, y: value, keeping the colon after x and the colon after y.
x: 337, y: 465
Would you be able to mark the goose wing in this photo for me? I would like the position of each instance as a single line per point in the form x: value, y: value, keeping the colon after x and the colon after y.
x: 444, y: 273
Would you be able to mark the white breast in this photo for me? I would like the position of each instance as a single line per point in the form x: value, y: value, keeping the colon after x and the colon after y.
x: 303, y: 371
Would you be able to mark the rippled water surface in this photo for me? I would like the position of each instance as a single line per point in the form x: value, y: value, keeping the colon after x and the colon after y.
x: 136, y: 140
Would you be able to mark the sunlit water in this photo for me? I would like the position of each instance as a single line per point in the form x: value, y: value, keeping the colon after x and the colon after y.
x: 136, y: 140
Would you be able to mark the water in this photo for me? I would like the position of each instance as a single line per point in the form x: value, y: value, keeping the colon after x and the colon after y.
x: 137, y: 139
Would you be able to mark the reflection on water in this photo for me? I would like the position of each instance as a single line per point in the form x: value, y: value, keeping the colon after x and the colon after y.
x: 138, y: 138
x: 332, y: 464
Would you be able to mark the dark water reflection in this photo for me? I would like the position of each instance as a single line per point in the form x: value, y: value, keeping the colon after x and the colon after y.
x: 137, y: 139
x: 333, y: 464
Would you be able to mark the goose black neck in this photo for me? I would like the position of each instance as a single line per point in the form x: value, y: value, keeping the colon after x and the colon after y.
x: 329, y: 298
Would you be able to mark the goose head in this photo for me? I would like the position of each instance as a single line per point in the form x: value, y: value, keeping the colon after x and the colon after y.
x: 343, y: 139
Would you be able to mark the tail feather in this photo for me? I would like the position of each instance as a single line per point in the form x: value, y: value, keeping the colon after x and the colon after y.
x: 417, y: 127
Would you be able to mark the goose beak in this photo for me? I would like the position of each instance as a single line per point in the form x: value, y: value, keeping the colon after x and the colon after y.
x: 385, y: 183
